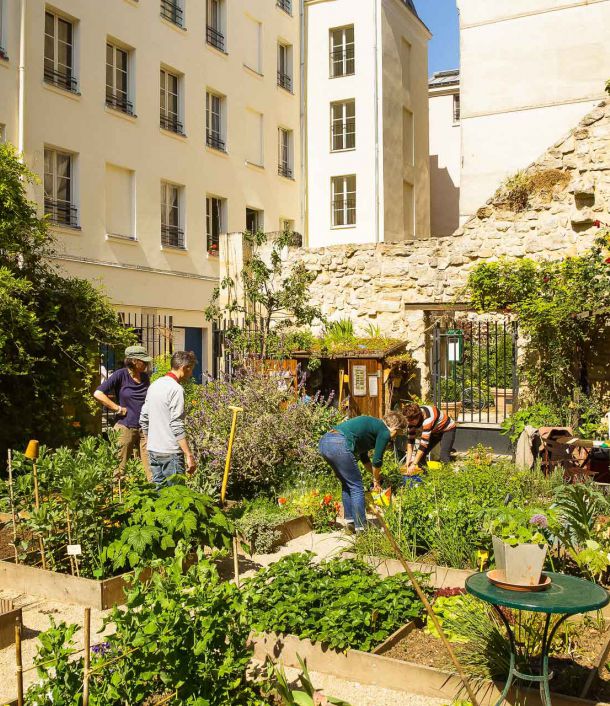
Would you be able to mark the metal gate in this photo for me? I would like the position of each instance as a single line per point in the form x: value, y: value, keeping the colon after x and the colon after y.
x: 474, y: 369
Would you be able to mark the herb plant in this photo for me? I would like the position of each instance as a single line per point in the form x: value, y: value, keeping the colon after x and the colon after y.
x: 341, y: 602
x: 517, y: 525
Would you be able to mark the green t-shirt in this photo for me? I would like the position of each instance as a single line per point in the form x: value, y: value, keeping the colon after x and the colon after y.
x: 363, y: 434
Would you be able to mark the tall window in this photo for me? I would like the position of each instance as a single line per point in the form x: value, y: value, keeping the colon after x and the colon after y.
x: 343, y: 125
x: 254, y: 220
x: 59, y: 52
x: 343, y: 195
x: 172, y: 235
x: 214, y: 109
x: 456, y: 107
x: 59, y: 187
x: 214, y: 222
x: 173, y: 11
x: 215, y: 24
x: 285, y: 153
x: 284, y: 66
x: 170, y: 104
x: 342, y: 56
x: 3, y: 54
x: 117, y: 79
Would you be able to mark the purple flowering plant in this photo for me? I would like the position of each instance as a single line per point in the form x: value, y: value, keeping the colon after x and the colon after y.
x: 521, y: 525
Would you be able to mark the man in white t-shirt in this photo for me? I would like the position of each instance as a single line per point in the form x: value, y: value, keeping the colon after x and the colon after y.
x: 162, y: 421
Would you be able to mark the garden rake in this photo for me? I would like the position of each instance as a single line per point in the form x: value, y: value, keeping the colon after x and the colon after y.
x: 422, y: 596
x: 225, y: 481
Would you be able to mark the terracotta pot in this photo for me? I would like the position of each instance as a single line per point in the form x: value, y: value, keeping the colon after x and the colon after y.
x: 522, y: 564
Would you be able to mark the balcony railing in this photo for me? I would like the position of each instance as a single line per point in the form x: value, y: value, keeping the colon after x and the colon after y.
x: 284, y: 170
x: 172, y: 236
x: 344, y: 212
x: 61, y: 212
x: 119, y: 103
x: 3, y: 54
x: 285, y: 5
x: 344, y: 135
x: 284, y: 81
x: 342, y: 62
x: 62, y: 79
x: 173, y: 12
x: 214, y: 140
x: 171, y: 123
x: 213, y: 243
x: 215, y: 38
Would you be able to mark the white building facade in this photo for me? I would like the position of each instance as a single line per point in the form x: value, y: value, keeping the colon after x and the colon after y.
x: 366, y: 132
x: 530, y: 70
x: 155, y: 127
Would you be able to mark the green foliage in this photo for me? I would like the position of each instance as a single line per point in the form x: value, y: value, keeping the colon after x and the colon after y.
x: 517, y: 525
x: 259, y: 522
x: 156, y: 521
x: 338, y: 332
x: 561, y: 305
x: 307, y: 695
x: 51, y: 326
x: 535, y: 415
x: 343, y: 603
x: 162, y: 366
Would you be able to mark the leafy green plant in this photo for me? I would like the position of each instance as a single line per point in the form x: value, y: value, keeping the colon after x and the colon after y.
x: 535, y: 415
x: 341, y: 331
x: 516, y: 525
x: 341, y: 602
x: 307, y: 695
x: 259, y: 523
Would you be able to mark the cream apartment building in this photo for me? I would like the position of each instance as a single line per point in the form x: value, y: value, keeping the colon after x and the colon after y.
x: 154, y: 127
x: 445, y: 152
x: 529, y: 71
x: 367, y: 169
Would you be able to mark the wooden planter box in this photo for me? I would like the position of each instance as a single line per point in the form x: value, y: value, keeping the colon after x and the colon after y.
x: 291, y: 529
x: 8, y: 618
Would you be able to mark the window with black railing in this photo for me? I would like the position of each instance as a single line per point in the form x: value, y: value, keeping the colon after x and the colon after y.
x: 215, y: 38
x: 170, y: 102
x: 284, y: 81
x: 61, y: 79
x: 214, y: 107
x: 344, y: 135
x: 117, y: 79
x: 285, y: 170
x: 342, y: 52
x: 456, y: 108
x: 119, y: 102
x: 173, y: 12
x: 61, y: 212
x: 285, y: 5
x: 215, y: 141
x: 172, y: 236
x: 343, y: 205
x: 169, y: 121
x: 59, y: 53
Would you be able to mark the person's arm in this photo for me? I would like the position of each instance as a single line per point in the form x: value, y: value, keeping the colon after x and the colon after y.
x: 423, y: 447
x: 100, y: 395
x: 144, y: 417
x: 381, y: 443
x: 176, y: 423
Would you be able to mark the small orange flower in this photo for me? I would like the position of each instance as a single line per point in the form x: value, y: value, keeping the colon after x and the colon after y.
x: 281, y: 501
x: 327, y: 499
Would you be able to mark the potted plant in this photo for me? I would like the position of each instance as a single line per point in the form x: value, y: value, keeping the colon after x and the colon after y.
x: 520, y: 543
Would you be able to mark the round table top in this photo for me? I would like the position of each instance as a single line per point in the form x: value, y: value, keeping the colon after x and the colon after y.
x: 567, y: 595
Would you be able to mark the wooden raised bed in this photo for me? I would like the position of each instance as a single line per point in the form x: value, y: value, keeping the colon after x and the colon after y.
x: 8, y: 618
x: 291, y: 529
x: 377, y: 670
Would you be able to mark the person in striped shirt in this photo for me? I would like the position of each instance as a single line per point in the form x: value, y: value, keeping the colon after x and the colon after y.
x: 436, y: 427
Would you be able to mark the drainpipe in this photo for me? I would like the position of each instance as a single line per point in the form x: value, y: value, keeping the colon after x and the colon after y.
x: 303, y: 124
x: 21, y: 108
x: 377, y: 158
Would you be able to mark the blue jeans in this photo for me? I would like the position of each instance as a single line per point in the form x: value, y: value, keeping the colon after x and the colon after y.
x: 333, y: 449
x: 164, y: 466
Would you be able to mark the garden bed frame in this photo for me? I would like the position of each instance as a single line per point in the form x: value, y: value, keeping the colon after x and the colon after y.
x: 9, y: 615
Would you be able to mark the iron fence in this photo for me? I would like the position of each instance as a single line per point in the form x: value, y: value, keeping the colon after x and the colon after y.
x: 215, y: 38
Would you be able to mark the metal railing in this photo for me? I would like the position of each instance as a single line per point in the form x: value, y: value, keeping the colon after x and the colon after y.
x: 284, y: 170
x: 285, y: 5
x: 171, y: 123
x: 62, y: 79
x: 172, y: 236
x: 214, y: 140
x: 173, y: 12
x: 119, y: 103
x: 284, y: 81
x: 215, y: 38
x: 346, y: 209
x: 342, y: 62
x: 213, y: 240
x: 345, y: 133
x: 61, y: 212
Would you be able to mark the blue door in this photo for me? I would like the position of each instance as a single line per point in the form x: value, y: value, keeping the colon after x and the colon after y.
x: 193, y: 338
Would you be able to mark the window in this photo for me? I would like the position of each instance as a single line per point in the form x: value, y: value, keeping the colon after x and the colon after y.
x: 343, y: 195
x: 170, y: 103
x: 59, y: 52
x: 343, y: 125
x: 120, y: 221
x: 456, y: 108
x: 215, y: 24
x: 215, y: 212
x: 285, y: 5
x: 172, y: 235
x: 59, y: 188
x: 252, y: 43
x: 285, y: 153
x: 214, y: 110
x: 286, y: 225
x: 254, y: 137
x: 172, y: 11
x: 117, y: 79
x: 284, y: 66
x: 254, y: 220
x: 342, y: 57
x: 3, y: 54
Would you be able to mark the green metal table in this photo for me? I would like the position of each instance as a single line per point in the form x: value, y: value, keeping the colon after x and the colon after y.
x: 566, y: 596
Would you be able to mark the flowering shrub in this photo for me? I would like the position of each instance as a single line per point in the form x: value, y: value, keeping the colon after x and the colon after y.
x: 322, y: 508
x: 276, y: 440
x: 517, y: 525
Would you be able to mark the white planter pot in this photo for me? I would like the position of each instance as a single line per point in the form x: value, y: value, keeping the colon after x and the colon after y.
x: 522, y: 564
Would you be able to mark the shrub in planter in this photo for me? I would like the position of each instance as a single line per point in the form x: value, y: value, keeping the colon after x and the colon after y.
x: 259, y: 523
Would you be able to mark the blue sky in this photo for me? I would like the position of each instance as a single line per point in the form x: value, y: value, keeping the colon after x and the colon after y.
x: 441, y: 18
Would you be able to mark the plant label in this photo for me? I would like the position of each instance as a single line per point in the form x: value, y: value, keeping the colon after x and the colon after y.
x: 74, y: 550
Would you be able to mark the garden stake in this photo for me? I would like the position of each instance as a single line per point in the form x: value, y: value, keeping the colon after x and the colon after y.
x: 427, y: 606
x: 11, y: 497
x: 75, y: 558
x: 87, y: 629
x: 225, y: 480
x: 19, y: 663
x: 32, y: 453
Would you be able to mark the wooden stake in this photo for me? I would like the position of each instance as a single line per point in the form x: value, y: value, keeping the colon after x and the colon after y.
x: 86, y: 672
x: 19, y: 663
x: 36, y: 495
x: 235, y: 561
x: 12, y: 501
x: 427, y: 606
x: 70, y: 542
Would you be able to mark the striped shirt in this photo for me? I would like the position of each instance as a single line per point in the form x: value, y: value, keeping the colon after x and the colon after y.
x: 435, y: 422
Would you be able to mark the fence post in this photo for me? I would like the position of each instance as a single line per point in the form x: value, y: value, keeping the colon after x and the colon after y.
x: 87, y: 632
x: 19, y: 662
